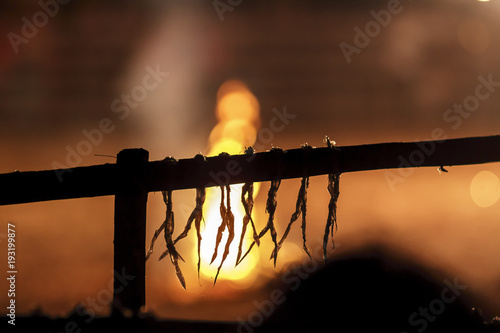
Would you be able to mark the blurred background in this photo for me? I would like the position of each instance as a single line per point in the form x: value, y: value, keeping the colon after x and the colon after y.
x: 90, y: 78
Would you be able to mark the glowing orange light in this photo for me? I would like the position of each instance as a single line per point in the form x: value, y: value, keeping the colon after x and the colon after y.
x: 212, y: 216
x: 237, y: 111
x: 236, y: 102
x: 239, y: 130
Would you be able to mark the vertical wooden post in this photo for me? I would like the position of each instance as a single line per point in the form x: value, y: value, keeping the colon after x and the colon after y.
x: 130, y: 233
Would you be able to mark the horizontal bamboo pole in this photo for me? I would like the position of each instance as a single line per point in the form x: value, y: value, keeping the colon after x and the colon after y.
x: 107, y: 179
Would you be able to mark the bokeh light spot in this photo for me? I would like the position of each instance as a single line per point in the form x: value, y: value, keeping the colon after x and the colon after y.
x: 485, y: 189
x: 240, y: 105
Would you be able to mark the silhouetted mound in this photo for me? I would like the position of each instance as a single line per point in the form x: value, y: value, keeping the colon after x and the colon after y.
x: 374, y: 293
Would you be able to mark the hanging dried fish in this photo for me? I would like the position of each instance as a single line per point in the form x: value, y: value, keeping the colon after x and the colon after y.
x: 155, y: 236
x: 197, y: 213
x: 169, y: 230
x: 229, y: 217
x: 304, y: 212
x: 196, y: 216
x: 331, y: 222
x: 270, y: 208
x: 223, y: 225
x: 247, y: 190
x: 200, y: 199
x: 300, y: 208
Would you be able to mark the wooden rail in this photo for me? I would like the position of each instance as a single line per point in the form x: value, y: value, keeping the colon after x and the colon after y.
x: 107, y: 179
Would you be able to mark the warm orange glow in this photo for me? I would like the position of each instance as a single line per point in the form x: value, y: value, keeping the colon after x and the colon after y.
x: 236, y: 102
x: 238, y: 113
x: 485, y: 189
x: 239, y: 130
x: 242, y: 272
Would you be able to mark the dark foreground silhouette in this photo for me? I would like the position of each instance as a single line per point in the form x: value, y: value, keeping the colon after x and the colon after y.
x: 376, y: 292
x: 369, y: 292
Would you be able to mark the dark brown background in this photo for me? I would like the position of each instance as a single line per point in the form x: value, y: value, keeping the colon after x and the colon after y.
x: 398, y: 88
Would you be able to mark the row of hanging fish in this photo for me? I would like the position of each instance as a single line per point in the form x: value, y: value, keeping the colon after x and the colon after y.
x: 228, y: 221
